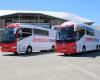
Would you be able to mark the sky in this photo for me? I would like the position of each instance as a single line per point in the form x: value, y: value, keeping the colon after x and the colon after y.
x: 89, y: 9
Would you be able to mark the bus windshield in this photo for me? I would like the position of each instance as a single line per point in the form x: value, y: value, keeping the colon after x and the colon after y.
x: 7, y: 35
x: 65, y: 34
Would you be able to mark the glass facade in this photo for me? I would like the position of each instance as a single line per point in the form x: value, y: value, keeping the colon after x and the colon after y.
x: 39, y: 18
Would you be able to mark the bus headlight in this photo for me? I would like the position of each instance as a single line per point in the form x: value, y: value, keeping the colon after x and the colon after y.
x: 74, y: 47
x: 0, y: 47
x: 13, y: 46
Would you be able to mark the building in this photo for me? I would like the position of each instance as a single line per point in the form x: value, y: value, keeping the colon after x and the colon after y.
x: 53, y: 18
x: 97, y: 27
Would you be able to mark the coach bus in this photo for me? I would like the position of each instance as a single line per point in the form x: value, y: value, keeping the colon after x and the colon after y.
x: 75, y: 37
x: 21, y: 38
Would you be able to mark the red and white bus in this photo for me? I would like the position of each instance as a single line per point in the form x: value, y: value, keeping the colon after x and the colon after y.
x: 75, y: 37
x: 22, y: 37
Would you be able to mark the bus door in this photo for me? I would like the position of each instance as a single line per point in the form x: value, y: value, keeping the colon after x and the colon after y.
x: 24, y: 39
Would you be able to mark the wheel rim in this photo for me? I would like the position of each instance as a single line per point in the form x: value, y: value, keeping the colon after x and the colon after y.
x: 83, y: 50
x: 29, y: 50
x: 53, y: 48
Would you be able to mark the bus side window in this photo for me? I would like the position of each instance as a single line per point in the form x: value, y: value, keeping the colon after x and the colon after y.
x: 90, y: 31
x: 80, y: 32
x: 26, y: 32
x: 41, y: 32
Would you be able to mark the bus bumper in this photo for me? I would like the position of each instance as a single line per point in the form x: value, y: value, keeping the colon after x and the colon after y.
x: 67, y: 48
x: 8, y: 47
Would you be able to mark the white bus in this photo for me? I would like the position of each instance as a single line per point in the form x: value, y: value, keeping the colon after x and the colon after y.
x: 75, y: 37
x: 19, y: 38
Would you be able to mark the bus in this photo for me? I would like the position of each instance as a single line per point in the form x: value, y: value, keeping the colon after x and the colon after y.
x: 74, y: 37
x: 26, y: 38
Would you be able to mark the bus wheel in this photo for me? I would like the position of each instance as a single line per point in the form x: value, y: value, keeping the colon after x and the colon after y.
x: 15, y: 53
x: 29, y: 50
x: 97, y: 47
x: 53, y: 48
x: 84, y: 49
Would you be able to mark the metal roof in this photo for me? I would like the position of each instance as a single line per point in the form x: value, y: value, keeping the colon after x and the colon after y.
x: 61, y: 15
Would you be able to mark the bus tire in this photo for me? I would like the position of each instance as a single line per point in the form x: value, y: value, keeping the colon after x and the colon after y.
x: 29, y: 50
x: 15, y: 53
x: 83, y: 49
x: 97, y: 47
x: 53, y: 48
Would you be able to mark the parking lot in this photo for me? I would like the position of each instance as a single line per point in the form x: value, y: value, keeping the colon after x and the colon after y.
x: 49, y: 66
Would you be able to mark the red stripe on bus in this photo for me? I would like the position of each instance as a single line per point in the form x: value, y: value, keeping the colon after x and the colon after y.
x: 40, y: 40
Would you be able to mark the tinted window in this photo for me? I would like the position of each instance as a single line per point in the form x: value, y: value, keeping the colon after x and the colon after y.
x: 80, y: 32
x: 89, y: 31
x: 26, y: 32
x: 41, y: 32
x: 7, y: 35
x: 65, y: 34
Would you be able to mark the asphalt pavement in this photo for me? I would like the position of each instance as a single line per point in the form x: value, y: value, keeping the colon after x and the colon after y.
x: 50, y: 66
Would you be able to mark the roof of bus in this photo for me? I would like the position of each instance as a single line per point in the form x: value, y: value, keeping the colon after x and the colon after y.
x: 25, y: 25
x: 69, y: 24
x: 61, y: 15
